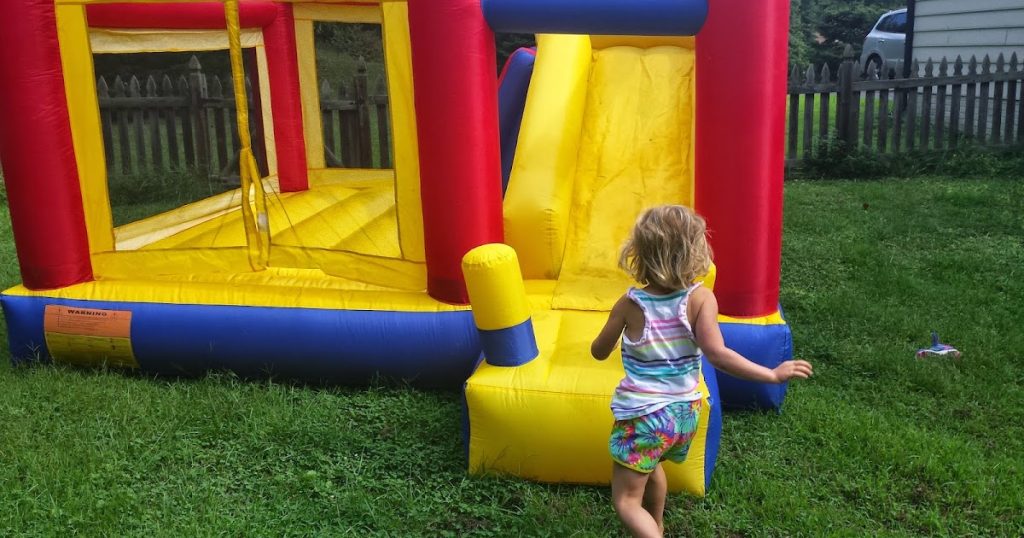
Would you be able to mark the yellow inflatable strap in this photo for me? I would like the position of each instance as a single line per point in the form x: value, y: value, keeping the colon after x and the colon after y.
x: 257, y: 227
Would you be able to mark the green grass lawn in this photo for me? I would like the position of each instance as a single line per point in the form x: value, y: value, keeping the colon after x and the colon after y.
x: 140, y: 196
x: 878, y: 443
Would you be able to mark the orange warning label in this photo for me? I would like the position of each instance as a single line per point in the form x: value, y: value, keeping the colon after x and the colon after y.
x: 89, y: 335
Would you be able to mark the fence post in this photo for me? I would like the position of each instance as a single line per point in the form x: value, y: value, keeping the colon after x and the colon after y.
x: 107, y: 122
x: 215, y: 92
x: 363, y: 107
x: 156, y: 146
x: 173, y: 157
x: 794, y: 113
x: 846, y: 125
x: 383, y: 142
x: 138, y: 130
x: 200, y: 128
x: 121, y: 118
x: 1011, y: 101
x: 824, y: 110
x: 808, y: 133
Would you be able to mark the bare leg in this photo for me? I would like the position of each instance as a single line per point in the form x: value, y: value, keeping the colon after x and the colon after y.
x: 627, y: 495
x: 654, y: 496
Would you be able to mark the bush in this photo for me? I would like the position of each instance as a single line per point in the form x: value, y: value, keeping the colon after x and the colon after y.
x: 834, y: 160
x: 841, y: 25
x: 973, y: 161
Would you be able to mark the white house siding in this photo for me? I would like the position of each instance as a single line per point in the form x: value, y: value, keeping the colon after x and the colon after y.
x: 951, y: 28
x: 965, y: 28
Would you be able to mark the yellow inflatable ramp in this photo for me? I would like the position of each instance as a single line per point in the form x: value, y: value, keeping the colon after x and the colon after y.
x: 606, y: 133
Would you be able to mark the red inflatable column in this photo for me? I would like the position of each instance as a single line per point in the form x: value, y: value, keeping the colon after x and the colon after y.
x: 741, y: 104
x: 37, y: 152
x: 285, y: 101
x: 457, y: 123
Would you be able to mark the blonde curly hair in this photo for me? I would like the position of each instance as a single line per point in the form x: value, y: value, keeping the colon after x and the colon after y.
x: 668, y: 248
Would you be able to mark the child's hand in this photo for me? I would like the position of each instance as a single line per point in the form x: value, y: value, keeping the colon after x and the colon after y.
x: 790, y: 369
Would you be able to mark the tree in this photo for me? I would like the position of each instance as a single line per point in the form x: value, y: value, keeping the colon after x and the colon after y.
x: 800, y: 35
x: 821, y: 29
x: 506, y: 44
x: 841, y: 25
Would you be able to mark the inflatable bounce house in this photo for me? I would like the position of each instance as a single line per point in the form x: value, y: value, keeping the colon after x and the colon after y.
x: 475, y: 262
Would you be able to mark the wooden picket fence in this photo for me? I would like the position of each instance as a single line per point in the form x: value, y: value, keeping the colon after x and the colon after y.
x: 355, y: 123
x: 190, y: 124
x: 939, y: 106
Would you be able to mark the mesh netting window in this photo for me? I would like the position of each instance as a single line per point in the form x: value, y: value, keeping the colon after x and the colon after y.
x: 353, y: 95
x: 169, y: 128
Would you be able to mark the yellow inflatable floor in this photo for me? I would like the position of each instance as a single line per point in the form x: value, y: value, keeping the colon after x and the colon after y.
x: 357, y: 218
x: 549, y: 420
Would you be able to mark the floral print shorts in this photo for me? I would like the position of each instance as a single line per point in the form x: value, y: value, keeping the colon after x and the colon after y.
x: 641, y: 443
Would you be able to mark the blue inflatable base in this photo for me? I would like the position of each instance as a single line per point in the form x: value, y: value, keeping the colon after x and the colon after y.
x: 767, y: 345
x: 427, y: 349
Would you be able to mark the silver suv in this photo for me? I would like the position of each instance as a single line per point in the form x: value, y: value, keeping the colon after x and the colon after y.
x: 885, y: 42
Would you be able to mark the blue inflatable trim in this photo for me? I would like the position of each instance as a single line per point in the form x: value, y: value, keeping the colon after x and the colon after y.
x: 714, y: 435
x: 513, y: 84
x: 607, y: 17
x: 767, y: 345
x: 514, y: 346
x: 428, y: 349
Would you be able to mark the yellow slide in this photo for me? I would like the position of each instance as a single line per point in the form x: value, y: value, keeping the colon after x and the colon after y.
x: 607, y: 132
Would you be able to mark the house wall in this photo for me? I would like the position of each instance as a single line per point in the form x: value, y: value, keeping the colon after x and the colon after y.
x: 948, y: 28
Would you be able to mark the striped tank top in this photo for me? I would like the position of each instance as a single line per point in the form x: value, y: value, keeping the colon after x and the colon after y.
x: 663, y: 366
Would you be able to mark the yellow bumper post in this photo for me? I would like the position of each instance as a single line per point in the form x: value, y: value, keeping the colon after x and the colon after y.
x: 498, y: 296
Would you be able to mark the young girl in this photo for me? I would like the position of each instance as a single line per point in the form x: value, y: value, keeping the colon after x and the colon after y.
x: 665, y: 328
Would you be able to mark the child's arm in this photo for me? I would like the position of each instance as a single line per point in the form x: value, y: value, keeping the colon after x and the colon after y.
x: 709, y: 338
x: 605, y: 342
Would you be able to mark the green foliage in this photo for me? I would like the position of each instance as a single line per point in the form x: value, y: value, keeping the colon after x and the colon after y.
x: 877, y: 443
x: 800, y: 35
x: 3, y: 190
x: 832, y: 159
x: 158, y: 64
x: 848, y: 23
x: 835, y: 23
x: 358, y: 40
x: 506, y: 44
x: 342, y: 47
x: 340, y: 68
x: 971, y: 161
x: 841, y: 25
